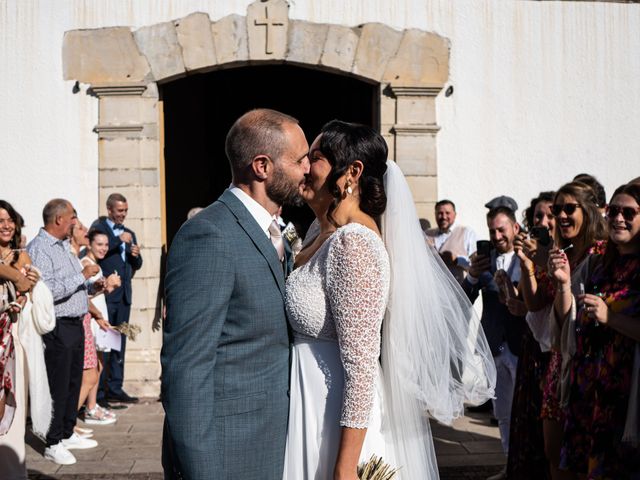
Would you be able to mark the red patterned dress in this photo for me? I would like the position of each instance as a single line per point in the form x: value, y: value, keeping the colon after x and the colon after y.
x: 601, y: 380
x: 551, y: 384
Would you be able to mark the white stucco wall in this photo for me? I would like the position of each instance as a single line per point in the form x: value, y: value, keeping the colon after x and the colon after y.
x: 542, y: 91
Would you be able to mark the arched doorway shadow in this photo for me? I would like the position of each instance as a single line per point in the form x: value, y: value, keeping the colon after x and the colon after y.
x: 200, y: 109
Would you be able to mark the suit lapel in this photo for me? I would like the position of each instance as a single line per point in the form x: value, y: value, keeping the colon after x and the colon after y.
x: 259, y: 239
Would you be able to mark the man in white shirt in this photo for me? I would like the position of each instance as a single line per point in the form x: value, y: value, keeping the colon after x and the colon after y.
x: 455, y: 243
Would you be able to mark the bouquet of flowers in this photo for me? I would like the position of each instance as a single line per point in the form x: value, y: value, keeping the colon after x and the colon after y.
x: 376, y: 469
x: 129, y: 330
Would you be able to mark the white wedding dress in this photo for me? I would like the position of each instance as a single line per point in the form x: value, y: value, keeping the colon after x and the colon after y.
x: 336, y: 303
x: 384, y: 339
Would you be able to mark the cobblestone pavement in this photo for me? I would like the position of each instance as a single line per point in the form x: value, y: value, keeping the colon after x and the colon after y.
x: 130, y: 449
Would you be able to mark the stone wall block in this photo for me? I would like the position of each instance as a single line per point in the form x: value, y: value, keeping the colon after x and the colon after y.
x: 416, y: 110
x: 422, y: 59
x: 423, y: 188
x: 145, y: 318
x: 149, y: 153
x: 128, y: 153
x: 230, y: 39
x: 267, y: 27
x: 306, y: 41
x: 340, y: 48
x: 159, y: 43
x: 126, y: 178
x: 145, y: 292
x: 123, y: 110
x: 151, y: 259
x: 119, y: 153
x: 196, y: 40
x: 426, y: 210
x: 102, y: 55
x: 153, y: 232
x: 378, y: 44
x: 416, y: 154
x: 387, y: 110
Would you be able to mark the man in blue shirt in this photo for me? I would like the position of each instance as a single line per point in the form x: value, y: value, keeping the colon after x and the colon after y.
x: 64, y: 346
x: 124, y: 259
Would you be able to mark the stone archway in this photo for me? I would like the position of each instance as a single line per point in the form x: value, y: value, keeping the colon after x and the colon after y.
x: 124, y: 67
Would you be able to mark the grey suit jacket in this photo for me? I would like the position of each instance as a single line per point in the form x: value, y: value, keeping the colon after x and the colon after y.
x: 225, y: 354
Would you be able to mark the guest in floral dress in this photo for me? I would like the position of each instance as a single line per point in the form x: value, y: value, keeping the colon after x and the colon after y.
x: 580, y: 231
x: 601, y: 430
x: 13, y: 361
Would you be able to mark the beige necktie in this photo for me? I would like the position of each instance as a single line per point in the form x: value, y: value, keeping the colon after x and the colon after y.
x: 276, y: 238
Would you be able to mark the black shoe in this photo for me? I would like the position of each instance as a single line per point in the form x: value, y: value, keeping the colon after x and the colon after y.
x: 485, y: 407
x: 121, y: 397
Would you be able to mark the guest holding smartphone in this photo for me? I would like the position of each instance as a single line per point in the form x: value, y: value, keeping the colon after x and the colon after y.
x: 602, y: 331
x: 495, y: 273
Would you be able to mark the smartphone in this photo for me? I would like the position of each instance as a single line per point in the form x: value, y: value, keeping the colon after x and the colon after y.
x: 483, y: 247
x: 541, y: 234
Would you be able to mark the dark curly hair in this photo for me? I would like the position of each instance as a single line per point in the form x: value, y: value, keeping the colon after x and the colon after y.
x: 342, y: 144
x: 17, y: 235
x: 530, y: 210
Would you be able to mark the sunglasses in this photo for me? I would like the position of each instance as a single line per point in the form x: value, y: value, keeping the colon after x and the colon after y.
x: 568, y: 208
x: 628, y: 213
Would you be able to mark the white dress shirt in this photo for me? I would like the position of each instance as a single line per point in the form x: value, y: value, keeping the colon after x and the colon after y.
x: 257, y: 211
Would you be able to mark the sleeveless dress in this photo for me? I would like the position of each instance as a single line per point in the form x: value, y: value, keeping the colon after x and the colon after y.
x: 100, y: 302
x: 335, y: 304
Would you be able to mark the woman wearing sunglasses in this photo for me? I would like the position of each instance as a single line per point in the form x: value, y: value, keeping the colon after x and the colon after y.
x: 580, y: 230
x: 601, y: 430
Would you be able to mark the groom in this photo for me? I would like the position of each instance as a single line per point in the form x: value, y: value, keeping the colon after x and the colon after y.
x: 225, y: 354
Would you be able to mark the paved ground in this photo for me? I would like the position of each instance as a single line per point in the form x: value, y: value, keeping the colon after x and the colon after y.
x: 130, y: 449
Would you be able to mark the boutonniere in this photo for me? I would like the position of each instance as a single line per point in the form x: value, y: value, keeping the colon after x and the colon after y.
x: 291, y: 235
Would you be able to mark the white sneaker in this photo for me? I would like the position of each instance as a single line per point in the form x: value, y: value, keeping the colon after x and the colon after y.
x: 78, y: 443
x: 59, y: 454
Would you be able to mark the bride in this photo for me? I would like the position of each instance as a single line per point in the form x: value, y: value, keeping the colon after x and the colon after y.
x: 383, y: 335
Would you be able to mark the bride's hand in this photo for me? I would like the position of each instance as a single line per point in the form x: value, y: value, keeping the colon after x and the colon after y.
x: 353, y: 475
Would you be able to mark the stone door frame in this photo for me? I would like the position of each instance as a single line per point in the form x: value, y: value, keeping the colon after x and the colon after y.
x: 124, y: 67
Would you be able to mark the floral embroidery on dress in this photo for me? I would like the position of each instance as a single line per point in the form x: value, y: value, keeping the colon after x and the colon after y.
x: 601, y: 379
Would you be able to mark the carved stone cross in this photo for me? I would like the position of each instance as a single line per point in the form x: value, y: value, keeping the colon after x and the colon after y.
x: 267, y: 25
x: 268, y: 22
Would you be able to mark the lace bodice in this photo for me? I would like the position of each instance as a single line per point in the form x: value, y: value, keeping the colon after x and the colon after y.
x: 341, y: 295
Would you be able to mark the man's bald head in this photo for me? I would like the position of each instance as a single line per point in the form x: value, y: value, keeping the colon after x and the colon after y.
x: 257, y: 132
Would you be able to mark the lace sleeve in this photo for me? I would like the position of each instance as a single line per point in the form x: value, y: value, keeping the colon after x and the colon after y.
x: 357, y: 286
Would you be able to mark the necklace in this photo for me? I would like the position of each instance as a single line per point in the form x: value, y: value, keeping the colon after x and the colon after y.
x: 5, y: 253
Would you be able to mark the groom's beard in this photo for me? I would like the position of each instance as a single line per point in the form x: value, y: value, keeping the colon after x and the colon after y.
x: 283, y: 191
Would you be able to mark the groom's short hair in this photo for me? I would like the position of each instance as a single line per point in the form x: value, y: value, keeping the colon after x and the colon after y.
x: 257, y: 132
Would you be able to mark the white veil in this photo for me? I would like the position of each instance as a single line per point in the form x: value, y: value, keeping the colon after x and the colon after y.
x: 435, y: 355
